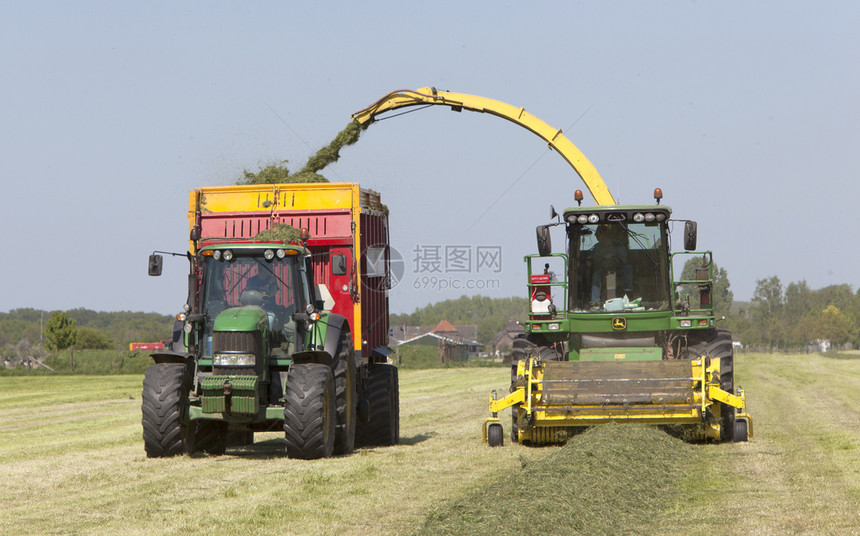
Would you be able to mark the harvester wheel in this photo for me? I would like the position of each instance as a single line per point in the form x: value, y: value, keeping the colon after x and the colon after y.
x: 383, y: 427
x: 515, y: 434
x: 495, y: 435
x: 309, y: 411
x: 548, y: 353
x: 718, y: 343
x: 740, y: 431
x: 165, y: 400
x: 520, y: 350
x: 344, y: 385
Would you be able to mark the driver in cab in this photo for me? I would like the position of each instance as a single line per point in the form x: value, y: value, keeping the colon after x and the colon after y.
x: 609, y: 255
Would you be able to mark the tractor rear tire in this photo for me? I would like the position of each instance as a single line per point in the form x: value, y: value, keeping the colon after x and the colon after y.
x: 165, y: 401
x: 345, y: 390
x: 383, y: 427
x: 309, y: 411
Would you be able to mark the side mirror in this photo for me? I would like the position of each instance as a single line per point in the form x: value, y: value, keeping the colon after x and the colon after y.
x: 155, y: 262
x: 338, y: 264
x: 544, y: 244
x: 552, y: 213
x: 690, y: 235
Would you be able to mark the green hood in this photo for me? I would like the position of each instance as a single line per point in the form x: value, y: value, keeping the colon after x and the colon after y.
x: 247, y: 318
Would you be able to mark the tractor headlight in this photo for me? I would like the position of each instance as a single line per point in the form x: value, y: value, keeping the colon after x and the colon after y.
x: 593, y: 218
x: 638, y: 217
x: 281, y: 253
x: 269, y: 254
x: 234, y: 360
x: 216, y: 254
x: 649, y: 217
x: 686, y: 323
x: 228, y: 255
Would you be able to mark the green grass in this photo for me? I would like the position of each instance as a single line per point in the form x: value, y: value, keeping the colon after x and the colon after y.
x: 72, y: 461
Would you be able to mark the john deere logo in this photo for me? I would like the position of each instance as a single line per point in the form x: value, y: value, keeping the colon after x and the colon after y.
x: 619, y: 322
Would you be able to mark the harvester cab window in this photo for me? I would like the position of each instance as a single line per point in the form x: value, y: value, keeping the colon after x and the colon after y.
x: 618, y: 267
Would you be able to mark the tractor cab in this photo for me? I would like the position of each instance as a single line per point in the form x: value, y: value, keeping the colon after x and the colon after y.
x: 253, y: 289
x: 618, y: 259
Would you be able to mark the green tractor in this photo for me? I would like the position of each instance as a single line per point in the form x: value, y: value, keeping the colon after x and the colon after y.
x: 614, y: 336
x: 254, y: 351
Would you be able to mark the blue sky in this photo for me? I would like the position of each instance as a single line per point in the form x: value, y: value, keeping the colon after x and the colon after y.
x: 745, y: 114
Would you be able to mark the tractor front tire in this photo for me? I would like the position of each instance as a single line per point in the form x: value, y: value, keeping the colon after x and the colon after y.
x: 383, y: 427
x: 309, y: 411
x: 165, y: 400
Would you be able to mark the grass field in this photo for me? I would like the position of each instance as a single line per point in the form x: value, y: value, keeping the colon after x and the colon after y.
x: 72, y: 462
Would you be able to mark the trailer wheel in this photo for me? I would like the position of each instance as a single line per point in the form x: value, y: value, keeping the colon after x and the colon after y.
x: 206, y: 436
x: 309, y: 411
x: 383, y: 427
x: 165, y: 399
x: 495, y: 435
x: 344, y: 384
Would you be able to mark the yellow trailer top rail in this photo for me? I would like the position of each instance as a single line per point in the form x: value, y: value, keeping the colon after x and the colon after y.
x: 459, y: 101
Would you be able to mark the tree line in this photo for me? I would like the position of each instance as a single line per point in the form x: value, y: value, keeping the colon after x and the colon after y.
x: 31, y: 333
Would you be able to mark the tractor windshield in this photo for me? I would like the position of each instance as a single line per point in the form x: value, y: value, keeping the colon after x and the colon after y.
x: 613, y: 261
x: 274, y: 285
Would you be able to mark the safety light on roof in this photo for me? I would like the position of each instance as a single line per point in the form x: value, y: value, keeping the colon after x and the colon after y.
x: 304, y: 234
x: 658, y: 195
x: 228, y: 254
x: 281, y: 253
x: 577, y: 195
x: 593, y: 218
x: 649, y: 217
x: 638, y: 217
x: 269, y: 254
x: 582, y: 219
x: 216, y: 254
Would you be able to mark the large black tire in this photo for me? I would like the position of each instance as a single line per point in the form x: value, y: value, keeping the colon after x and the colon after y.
x: 522, y: 348
x: 309, y: 411
x: 515, y: 431
x: 346, y: 396
x: 383, y: 427
x: 718, y: 343
x: 165, y: 400
x: 721, y: 346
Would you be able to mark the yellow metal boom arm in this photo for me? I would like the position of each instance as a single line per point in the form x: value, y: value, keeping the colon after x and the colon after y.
x: 459, y: 101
